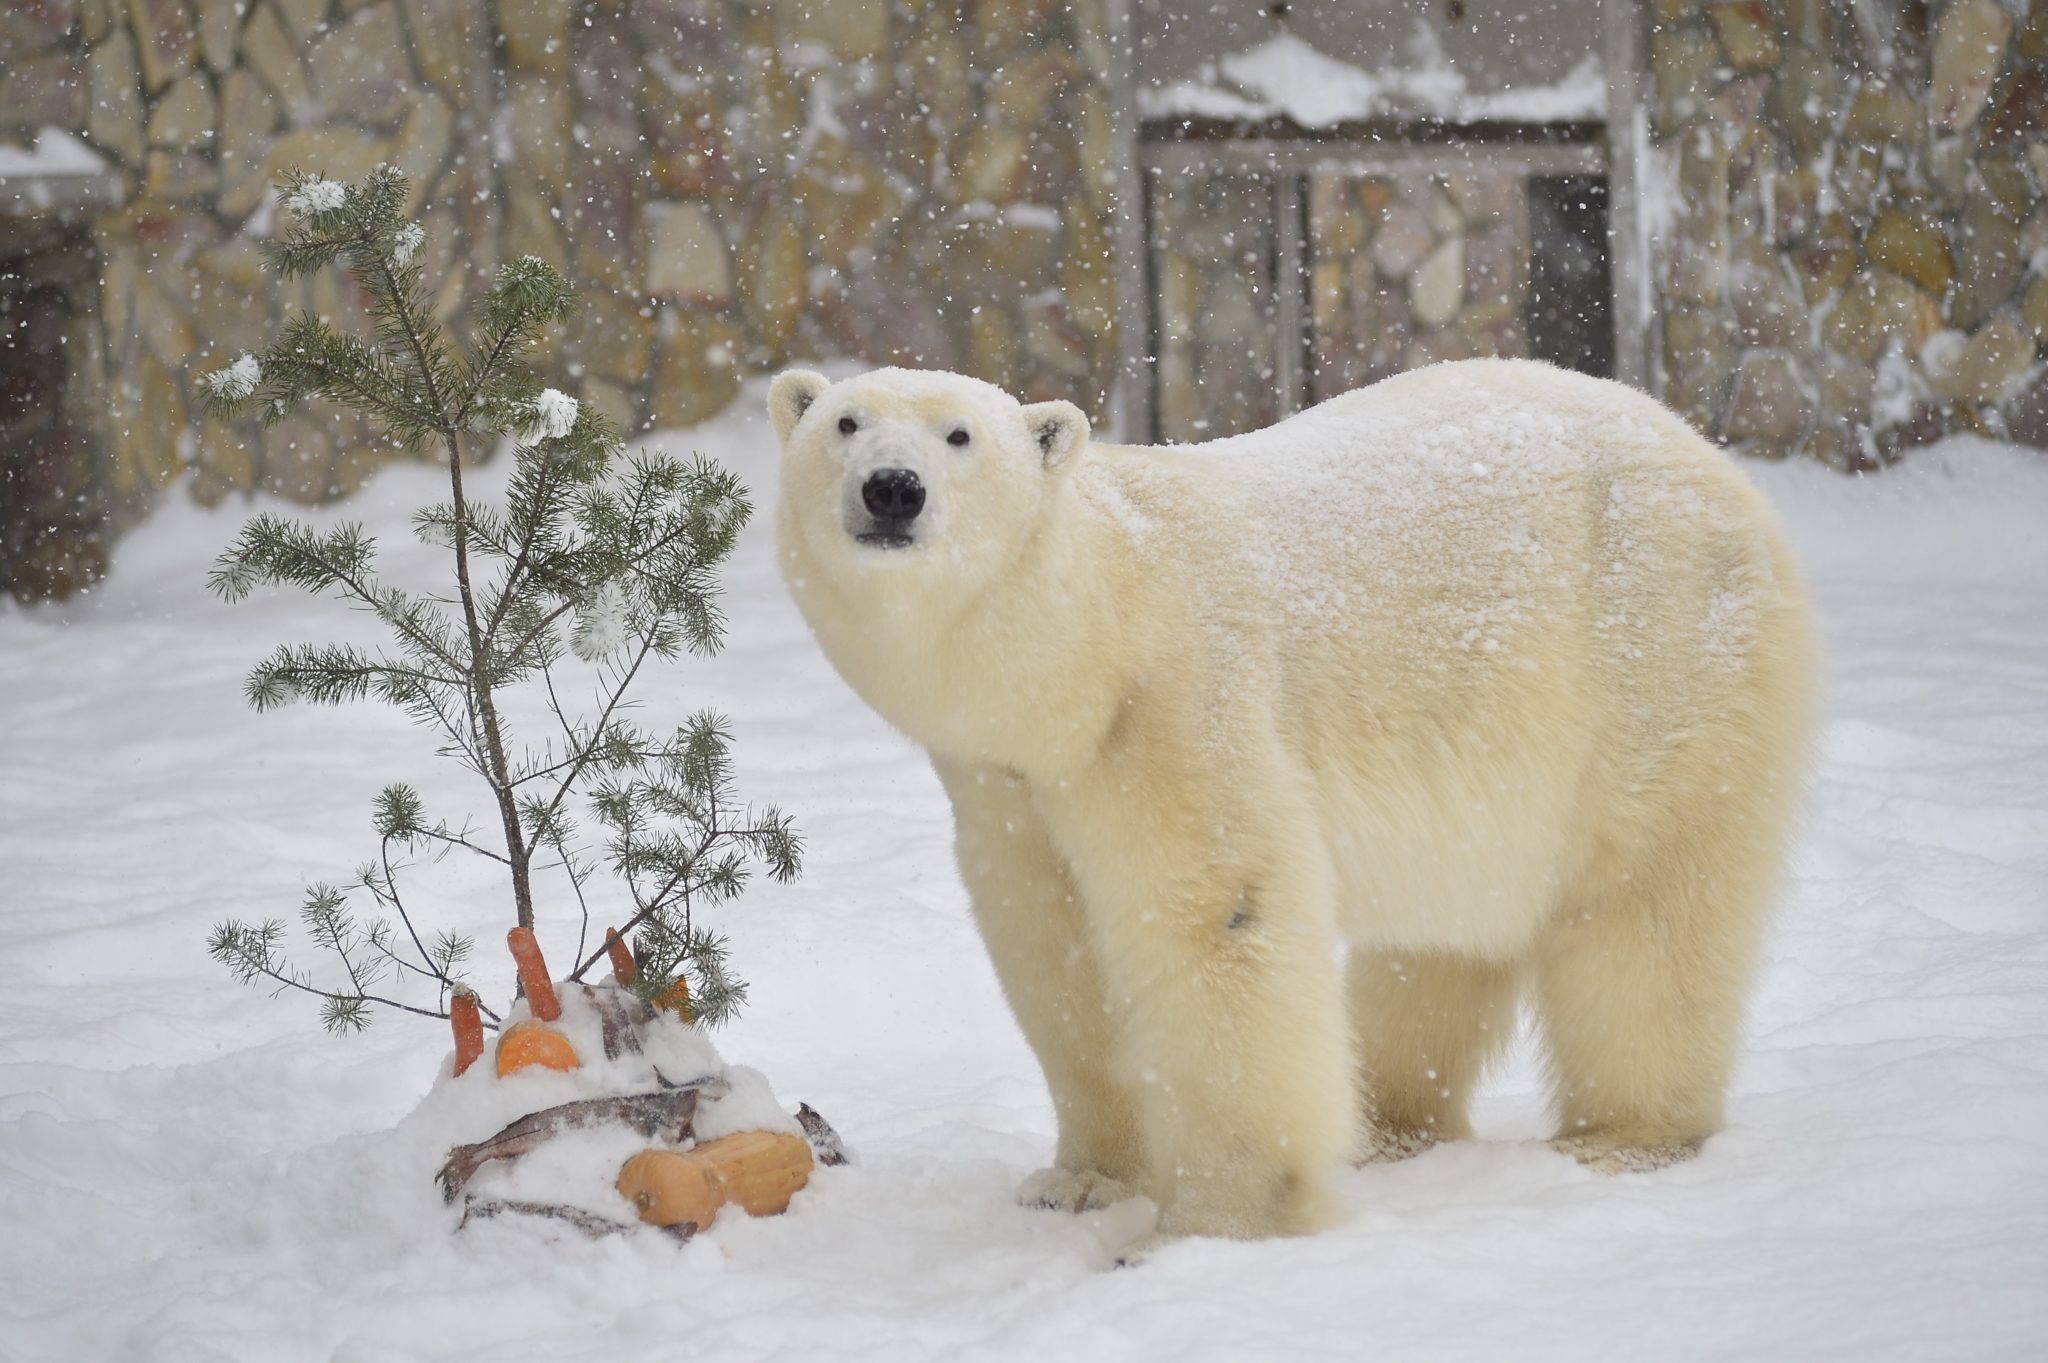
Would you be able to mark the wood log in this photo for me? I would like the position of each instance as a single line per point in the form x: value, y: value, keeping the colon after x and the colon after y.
x: 758, y: 1171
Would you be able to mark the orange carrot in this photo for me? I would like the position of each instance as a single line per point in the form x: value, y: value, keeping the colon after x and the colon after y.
x: 623, y: 968
x: 533, y: 974
x: 469, y: 1029
x: 526, y: 1044
x: 676, y: 998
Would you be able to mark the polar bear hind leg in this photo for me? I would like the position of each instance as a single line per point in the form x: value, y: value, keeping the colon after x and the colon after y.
x: 1639, y: 979
x: 1425, y: 1026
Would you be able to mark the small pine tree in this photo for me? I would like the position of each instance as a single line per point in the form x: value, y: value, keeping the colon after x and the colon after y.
x: 611, y: 559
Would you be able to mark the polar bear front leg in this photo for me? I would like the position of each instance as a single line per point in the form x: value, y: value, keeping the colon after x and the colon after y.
x: 1030, y: 918
x: 1215, y: 936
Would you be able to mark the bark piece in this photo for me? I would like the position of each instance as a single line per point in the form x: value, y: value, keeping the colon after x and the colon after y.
x: 825, y: 1142
x: 667, y: 1115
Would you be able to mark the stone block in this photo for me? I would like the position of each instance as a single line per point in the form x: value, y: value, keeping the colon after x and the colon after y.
x: 990, y: 164
x: 1001, y: 25
x: 697, y: 374
x: 451, y: 40
x: 2034, y: 307
x: 1748, y: 34
x: 531, y: 227
x: 602, y: 214
x: 1403, y: 240
x: 539, y: 114
x: 220, y: 33
x: 1987, y: 254
x: 2022, y: 112
x: 1883, y: 113
x: 28, y: 30
x: 115, y: 118
x: 179, y: 175
x: 613, y: 338
x: 1969, y: 47
x: 303, y: 16
x: 846, y: 199
x: 1019, y: 91
x: 687, y: 138
x: 536, y: 34
x: 691, y: 35
x: 423, y: 144
x: 1913, y: 246
x: 1088, y: 271
x: 993, y: 354
x: 361, y: 67
x: 1878, y: 308
x: 685, y: 254
x: 1770, y: 403
x: 44, y: 91
x: 1768, y: 307
x: 165, y: 37
x: 273, y: 54
x: 1686, y: 65
x: 185, y: 117
x: 2034, y: 37
x: 1436, y: 290
x: 1795, y: 204
x: 850, y: 30
x: 2004, y: 174
x: 773, y: 283
x: 248, y: 116
x: 1842, y: 387
x: 339, y: 153
x: 1990, y: 366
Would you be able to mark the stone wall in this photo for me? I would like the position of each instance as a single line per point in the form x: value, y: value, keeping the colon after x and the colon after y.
x: 1851, y: 221
x: 733, y: 185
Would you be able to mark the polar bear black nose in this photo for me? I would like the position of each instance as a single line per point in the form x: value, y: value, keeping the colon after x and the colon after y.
x: 893, y: 494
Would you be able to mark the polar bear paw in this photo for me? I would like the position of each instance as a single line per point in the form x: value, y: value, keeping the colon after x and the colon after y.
x: 1606, y: 1155
x: 1390, y: 1144
x: 1064, y: 1190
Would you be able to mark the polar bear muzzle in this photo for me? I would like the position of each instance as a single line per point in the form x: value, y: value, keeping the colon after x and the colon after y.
x: 893, y: 497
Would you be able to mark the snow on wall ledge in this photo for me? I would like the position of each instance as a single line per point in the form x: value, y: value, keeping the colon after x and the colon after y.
x: 1287, y: 77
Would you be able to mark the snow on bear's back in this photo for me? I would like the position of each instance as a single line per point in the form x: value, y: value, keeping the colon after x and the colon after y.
x: 1463, y: 508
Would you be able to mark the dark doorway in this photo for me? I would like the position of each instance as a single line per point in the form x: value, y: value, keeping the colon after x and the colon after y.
x: 1569, y: 313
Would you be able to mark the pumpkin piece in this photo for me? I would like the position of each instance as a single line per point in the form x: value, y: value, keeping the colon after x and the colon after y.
x: 526, y: 1044
x: 758, y: 1171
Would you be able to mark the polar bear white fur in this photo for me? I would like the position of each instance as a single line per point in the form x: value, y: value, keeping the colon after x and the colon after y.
x: 1498, y: 675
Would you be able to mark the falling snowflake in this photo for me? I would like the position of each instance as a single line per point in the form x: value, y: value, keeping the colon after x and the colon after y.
x: 407, y: 244
x: 237, y: 381
x: 316, y: 196
x: 602, y: 623
x: 554, y: 413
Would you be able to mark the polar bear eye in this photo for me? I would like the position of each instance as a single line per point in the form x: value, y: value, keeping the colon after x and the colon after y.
x: 847, y: 425
x: 957, y: 438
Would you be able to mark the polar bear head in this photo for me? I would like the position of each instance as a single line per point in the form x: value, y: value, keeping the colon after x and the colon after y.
x: 928, y: 475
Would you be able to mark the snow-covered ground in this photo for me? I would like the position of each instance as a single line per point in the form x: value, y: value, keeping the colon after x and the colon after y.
x: 189, y: 1171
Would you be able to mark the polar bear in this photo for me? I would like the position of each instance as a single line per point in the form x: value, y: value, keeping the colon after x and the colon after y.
x: 1285, y: 767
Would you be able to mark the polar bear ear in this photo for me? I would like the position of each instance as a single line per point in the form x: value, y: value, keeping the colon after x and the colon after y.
x: 1060, y: 428
x: 790, y: 396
